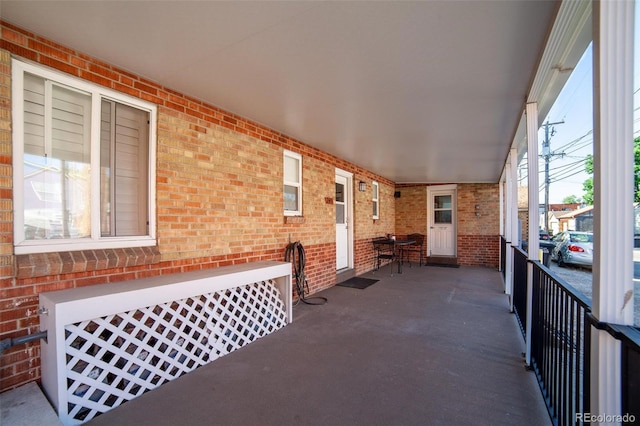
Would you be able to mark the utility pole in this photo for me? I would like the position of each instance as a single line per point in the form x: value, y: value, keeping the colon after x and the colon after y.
x: 547, y: 154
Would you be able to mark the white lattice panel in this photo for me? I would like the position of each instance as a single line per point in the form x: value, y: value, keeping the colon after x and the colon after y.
x: 114, y: 358
x: 243, y: 315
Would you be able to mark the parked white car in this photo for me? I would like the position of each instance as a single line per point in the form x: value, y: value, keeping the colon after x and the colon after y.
x: 572, y: 247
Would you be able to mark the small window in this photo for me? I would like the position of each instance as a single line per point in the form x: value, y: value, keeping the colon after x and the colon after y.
x: 375, y: 198
x: 83, y: 164
x: 292, y: 184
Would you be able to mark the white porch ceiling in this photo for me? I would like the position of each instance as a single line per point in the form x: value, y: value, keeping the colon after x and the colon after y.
x: 416, y: 91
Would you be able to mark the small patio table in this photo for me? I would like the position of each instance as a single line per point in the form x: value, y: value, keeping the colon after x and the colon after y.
x: 397, y: 247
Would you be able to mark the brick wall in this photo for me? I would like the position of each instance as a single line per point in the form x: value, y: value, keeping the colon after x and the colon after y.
x: 478, y: 224
x: 478, y: 229
x: 367, y: 227
x: 411, y: 210
x: 219, y: 200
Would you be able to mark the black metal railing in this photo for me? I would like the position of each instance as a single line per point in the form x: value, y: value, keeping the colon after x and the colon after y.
x: 503, y: 256
x: 561, y: 323
x: 629, y: 337
x: 560, y: 345
x: 520, y: 288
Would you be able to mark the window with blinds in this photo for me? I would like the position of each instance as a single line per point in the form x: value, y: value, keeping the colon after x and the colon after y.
x: 123, y: 170
x: 375, y: 199
x: 82, y: 155
x: 292, y: 184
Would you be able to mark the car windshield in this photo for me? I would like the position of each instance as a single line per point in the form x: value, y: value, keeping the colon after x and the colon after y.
x: 581, y: 238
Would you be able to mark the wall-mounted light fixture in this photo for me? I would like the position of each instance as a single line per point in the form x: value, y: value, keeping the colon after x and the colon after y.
x: 362, y: 186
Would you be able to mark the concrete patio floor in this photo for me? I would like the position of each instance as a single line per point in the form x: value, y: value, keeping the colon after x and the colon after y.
x: 433, y: 346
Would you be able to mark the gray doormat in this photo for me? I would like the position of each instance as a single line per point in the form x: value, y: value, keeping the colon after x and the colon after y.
x: 358, y: 282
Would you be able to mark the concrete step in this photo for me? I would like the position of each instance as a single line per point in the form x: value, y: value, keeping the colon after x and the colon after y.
x: 445, y: 261
x: 27, y: 406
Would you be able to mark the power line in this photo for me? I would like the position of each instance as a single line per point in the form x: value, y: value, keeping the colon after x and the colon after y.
x: 547, y: 155
x: 578, y: 161
x: 566, y: 173
x: 580, y: 140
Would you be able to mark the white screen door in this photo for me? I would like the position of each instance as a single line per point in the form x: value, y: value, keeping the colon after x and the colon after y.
x: 442, y: 228
x: 342, y: 231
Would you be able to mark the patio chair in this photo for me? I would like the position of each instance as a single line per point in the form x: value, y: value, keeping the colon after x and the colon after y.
x: 383, y: 249
x: 418, y: 247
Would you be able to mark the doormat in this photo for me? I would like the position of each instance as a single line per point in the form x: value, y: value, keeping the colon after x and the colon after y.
x: 358, y: 282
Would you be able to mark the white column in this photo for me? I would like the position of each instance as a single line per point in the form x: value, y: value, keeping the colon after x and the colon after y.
x: 613, y: 194
x: 515, y: 228
x: 502, y: 220
x: 534, y: 212
x: 532, y: 179
x: 508, y: 276
x: 513, y: 237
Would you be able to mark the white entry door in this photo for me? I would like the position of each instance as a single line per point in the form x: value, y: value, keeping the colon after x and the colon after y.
x: 442, y: 221
x: 342, y: 222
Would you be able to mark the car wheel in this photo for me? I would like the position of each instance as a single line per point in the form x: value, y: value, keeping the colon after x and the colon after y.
x: 560, y: 261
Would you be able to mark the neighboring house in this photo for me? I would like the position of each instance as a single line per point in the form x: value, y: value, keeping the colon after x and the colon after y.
x: 563, y: 207
x: 554, y: 222
x: 577, y: 220
x: 555, y: 210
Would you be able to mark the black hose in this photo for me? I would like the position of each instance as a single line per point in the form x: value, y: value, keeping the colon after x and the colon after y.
x: 296, y: 255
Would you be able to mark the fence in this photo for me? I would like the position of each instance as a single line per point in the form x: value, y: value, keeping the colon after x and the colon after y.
x: 561, y: 346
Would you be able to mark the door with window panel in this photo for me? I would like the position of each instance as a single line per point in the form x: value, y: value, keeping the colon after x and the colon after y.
x: 442, y: 223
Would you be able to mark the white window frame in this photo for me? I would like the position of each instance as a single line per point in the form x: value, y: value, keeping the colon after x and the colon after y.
x: 375, y: 198
x: 298, y: 185
x: 96, y: 241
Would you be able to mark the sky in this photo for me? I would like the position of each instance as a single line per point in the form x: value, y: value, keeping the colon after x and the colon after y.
x: 573, y: 140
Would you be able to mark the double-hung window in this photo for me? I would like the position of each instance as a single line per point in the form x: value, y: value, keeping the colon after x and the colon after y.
x: 292, y: 184
x: 375, y: 198
x: 83, y: 164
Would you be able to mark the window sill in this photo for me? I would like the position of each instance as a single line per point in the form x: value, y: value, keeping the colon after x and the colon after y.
x: 44, y: 264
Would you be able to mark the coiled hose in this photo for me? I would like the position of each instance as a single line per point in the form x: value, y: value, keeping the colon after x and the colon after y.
x: 296, y: 255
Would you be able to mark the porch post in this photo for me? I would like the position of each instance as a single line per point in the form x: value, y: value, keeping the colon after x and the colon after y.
x: 534, y: 212
x: 502, y: 227
x: 613, y: 195
x: 507, y: 229
x: 513, y: 171
x: 511, y: 219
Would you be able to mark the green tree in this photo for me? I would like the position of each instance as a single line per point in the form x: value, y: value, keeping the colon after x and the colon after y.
x: 571, y: 199
x: 587, y: 186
